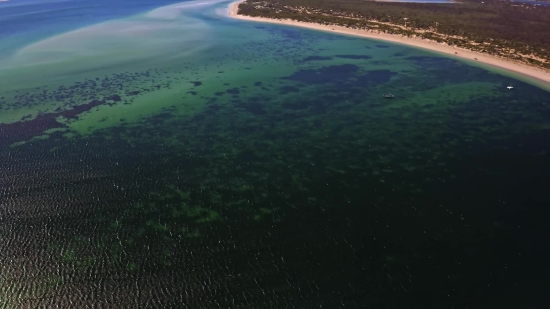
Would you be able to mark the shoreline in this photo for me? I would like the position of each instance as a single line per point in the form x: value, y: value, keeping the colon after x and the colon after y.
x: 532, y: 73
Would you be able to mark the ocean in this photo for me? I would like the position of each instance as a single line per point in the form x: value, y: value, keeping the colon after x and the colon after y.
x: 158, y: 154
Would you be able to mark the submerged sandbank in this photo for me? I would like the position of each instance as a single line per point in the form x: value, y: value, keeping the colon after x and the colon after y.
x: 155, y: 39
x: 538, y: 76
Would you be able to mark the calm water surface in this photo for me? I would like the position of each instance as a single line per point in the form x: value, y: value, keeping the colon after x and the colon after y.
x: 161, y: 155
x: 419, y: 1
x: 539, y: 3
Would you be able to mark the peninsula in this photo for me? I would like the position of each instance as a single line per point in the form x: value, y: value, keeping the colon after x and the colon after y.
x: 508, y: 35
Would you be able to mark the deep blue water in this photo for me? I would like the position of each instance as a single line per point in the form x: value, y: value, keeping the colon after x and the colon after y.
x: 31, y: 20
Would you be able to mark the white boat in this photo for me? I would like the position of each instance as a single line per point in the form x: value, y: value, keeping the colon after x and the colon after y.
x: 510, y: 87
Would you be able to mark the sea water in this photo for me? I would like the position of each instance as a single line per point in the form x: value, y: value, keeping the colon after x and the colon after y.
x: 171, y: 157
x: 419, y: 1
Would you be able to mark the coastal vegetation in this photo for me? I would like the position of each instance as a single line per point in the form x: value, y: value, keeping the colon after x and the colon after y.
x: 513, y: 30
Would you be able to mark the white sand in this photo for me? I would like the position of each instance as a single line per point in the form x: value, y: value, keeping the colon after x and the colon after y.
x: 531, y: 72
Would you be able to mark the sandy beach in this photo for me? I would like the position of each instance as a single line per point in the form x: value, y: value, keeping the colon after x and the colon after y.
x: 531, y: 72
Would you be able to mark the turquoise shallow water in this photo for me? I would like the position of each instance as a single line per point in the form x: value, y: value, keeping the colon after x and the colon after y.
x: 176, y: 158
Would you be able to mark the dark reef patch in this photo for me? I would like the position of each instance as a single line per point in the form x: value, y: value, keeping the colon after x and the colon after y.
x: 315, y: 58
x: 356, y: 57
x: 24, y: 130
x: 288, y: 89
x: 114, y: 97
x: 329, y: 74
x: 233, y: 91
x: 252, y: 106
x: 376, y: 77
